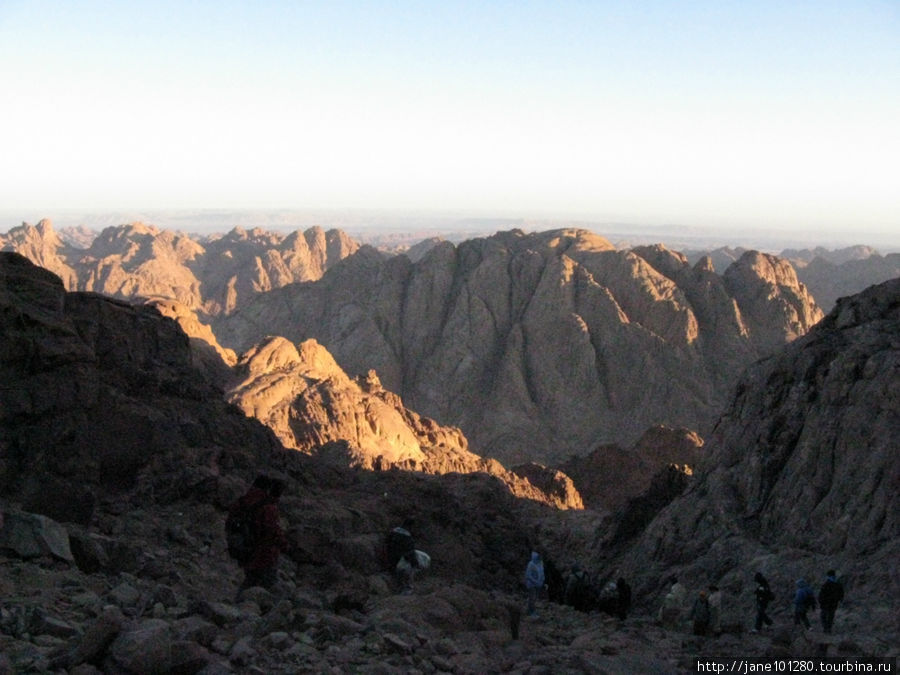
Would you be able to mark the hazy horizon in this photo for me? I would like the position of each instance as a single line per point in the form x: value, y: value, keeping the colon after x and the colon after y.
x: 736, y: 118
x: 382, y: 226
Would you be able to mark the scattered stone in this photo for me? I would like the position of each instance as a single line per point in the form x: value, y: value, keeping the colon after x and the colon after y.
x: 242, y: 652
x: 145, y: 647
x: 97, y: 638
x: 29, y: 535
x: 397, y: 643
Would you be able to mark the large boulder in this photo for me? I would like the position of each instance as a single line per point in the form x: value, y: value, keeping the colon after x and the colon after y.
x: 29, y: 535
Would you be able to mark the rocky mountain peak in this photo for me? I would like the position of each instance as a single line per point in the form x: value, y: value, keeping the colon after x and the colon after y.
x: 774, y: 305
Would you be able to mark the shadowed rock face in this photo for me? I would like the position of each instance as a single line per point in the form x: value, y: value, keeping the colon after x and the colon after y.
x: 94, y: 392
x: 540, y: 346
x: 211, y: 276
x: 610, y: 476
x: 802, y: 472
x: 832, y: 278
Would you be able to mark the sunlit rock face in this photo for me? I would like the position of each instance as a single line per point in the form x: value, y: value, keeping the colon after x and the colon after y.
x: 540, y: 346
x: 311, y: 404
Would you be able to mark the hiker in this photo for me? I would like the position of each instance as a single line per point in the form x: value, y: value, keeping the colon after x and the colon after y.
x: 764, y: 596
x: 608, y: 600
x: 715, y: 610
x: 534, y: 580
x: 700, y: 614
x: 623, y: 601
x: 577, y: 589
x: 555, y: 583
x: 831, y: 593
x: 804, y: 600
x: 670, y: 612
x: 259, y: 555
x: 401, y: 555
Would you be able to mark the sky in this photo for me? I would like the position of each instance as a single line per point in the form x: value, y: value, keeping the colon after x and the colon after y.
x: 717, y: 114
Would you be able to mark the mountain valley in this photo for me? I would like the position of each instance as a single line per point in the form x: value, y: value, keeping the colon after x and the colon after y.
x: 628, y: 410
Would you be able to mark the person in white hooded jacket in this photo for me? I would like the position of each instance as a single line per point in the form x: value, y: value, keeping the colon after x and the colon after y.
x: 534, y: 580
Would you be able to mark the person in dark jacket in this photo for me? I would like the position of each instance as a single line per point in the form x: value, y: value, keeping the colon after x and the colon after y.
x: 261, y: 569
x: 764, y: 596
x: 576, y: 588
x: 401, y: 555
x: 804, y: 600
x: 623, y: 603
x: 700, y: 614
x: 830, y: 595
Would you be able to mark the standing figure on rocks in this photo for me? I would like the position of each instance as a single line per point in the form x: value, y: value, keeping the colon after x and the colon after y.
x: 577, y: 589
x: 804, y: 600
x: 831, y: 593
x: 401, y: 555
x: 534, y: 580
x: 670, y: 612
x: 715, y: 610
x: 624, y: 598
x: 700, y: 614
x: 255, y: 537
x: 764, y: 596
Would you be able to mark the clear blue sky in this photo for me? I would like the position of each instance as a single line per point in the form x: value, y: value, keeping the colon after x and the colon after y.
x: 751, y: 113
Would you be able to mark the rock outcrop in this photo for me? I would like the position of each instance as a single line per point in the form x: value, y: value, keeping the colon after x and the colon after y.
x: 313, y: 406
x: 802, y: 472
x: 44, y: 247
x: 539, y: 346
x: 777, y: 306
x: 95, y: 391
x: 610, y: 475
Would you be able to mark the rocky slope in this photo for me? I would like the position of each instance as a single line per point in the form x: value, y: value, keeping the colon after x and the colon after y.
x: 801, y: 473
x: 118, y: 458
x: 542, y: 345
x: 210, y: 275
x: 829, y: 280
x: 312, y: 405
x: 610, y: 476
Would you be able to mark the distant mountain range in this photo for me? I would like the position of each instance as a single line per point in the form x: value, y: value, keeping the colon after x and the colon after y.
x: 540, y: 346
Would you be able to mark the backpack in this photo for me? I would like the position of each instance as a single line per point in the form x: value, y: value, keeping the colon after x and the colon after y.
x: 701, y: 611
x: 811, y: 600
x: 241, y: 532
x: 807, y: 600
x: 400, y: 545
x: 831, y: 594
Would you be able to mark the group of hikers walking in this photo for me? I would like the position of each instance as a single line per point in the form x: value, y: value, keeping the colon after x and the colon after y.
x: 706, y: 611
x: 578, y: 590
x: 255, y: 540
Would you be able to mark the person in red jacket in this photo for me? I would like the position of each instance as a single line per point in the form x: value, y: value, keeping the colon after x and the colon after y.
x: 261, y: 568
